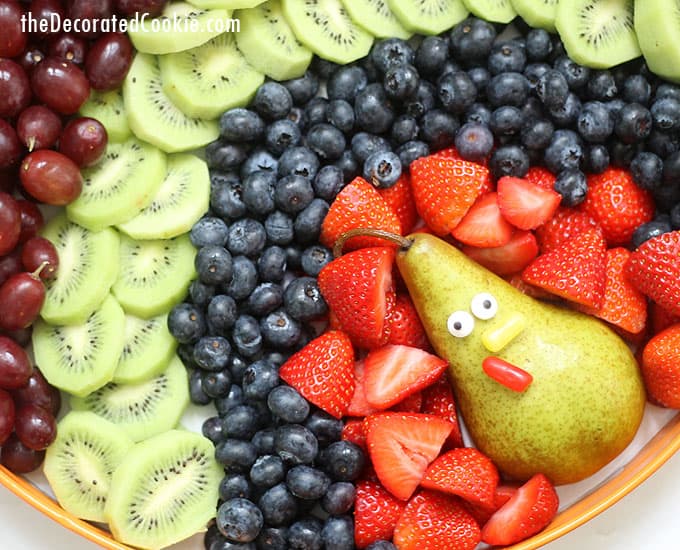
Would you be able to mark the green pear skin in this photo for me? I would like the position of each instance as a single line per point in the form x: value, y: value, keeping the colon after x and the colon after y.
x: 586, y: 400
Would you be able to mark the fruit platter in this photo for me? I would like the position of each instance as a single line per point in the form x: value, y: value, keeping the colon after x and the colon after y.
x: 337, y: 274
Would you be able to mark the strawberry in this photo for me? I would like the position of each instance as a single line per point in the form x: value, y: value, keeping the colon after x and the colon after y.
x: 574, y: 271
x: 401, y: 447
x: 444, y: 189
x: 405, y: 325
x: 660, y: 367
x: 323, y: 372
x: 501, y: 495
x: 538, y: 175
x: 483, y: 225
x: 353, y: 431
x: 509, y: 258
x: 448, y: 153
x: 434, y: 521
x: 376, y: 513
x: 358, y: 205
x: 531, y: 290
x: 617, y: 204
x: 358, y: 406
x: 438, y: 400
x: 358, y: 289
x: 660, y: 318
x: 524, y: 204
x: 411, y: 404
x: 465, y: 472
x: 393, y: 372
x: 400, y: 199
x: 654, y: 269
x: 531, y: 508
x: 566, y: 223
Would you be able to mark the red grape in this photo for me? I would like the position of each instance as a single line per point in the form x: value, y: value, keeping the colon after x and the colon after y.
x: 6, y: 416
x: 15, y: 90
x: 32, y: 220
x: 60, y: 84
x: 21, y: 337
x: 92, y: 10
x: 38, y: 251
x: 51, y: 177
x: 12, y: 38
x: 10, y: 223
x: 21, y: 297
x: 9, y: 177
x: 45, y: 10
x: 69, y: 47
x: 18, y: 458
x: 35, y: 427
x: 30, y: 58
x: 132, y: 7
x: 10, y: 146
x: 83, y: 141
x: 15, y: 366
x: 40, y: 392
x: 10, y: 264
x: 108, y: 61
x: 38, y: 127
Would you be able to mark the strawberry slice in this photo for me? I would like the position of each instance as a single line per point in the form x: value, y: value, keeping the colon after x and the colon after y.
x: 400, y: 199
x: 376, y: 513
x: 501, y: 495
x: 401, y: 447
x: 394, y: 372
x: 434, y: 521
x: 524, y: 204
x: 353, y: 431
x: 358, y: 406
x: 530, y: 509
x: 566, y: 223
x: 323, y: 372
x: 661, y: 318
x: 358, y: 289
x: 410, y: 404
x: 483, y: 225
x: 509, y: 258
x: 405, y: 325
x: 538, y: 175
x: 438, y: 400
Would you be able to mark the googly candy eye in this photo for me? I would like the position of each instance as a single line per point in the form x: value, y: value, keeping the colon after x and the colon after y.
x: 484, y: 306
x: 460, y: 324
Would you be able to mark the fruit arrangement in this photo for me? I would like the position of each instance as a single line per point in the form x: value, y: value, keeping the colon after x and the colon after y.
x: 398, y: 216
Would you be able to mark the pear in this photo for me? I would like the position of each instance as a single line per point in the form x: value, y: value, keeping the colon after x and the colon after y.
x: 586, y: 399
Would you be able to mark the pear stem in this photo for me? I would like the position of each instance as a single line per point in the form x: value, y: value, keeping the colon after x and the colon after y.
x: 403, y: 242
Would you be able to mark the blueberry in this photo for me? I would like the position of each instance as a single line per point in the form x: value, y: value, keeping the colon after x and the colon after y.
x: 667, y: 90
x: 225, y: 197
x: 279, y: 329
x: 381, y: 545
x: 247, y: 336
x: 506, y: 121
x: 565, y: 151
x: 536, y: 134
x: 348, y: 165
x: 235, y: 455
x: 299, y: 161
x: 602, y: 86
x: 293, y: 258
x: 305, y: 534
x: 328, y: 182
x: 233, y: 398
x: 431, y: 55
x: 572, y: 185
x: 343, y: 460
x: 278, y: 505
x: 577, y: 75
x: 298, y: 117
x: 649, y: 230
x: 372, y: 110
x: 209, y: 230
x: 538, y: 45
x: 339, y: 498
x: 271, y: 265
x: 634, y: 123
x: 474, y: 141
x: 615, y: 105
x: 264, y: 298
x: 472, y: 39
x: 306, y: 482
x: 401, y: 81
x: 241, y: 125
x: 259, y: 159
x: 565, y: 115
x: 383, y: 169
x: 295, y: 444
x: 225, y: 156
x: 480, y: 77
x: 597, y: 158
x: 636, y: 89
x: 214, y: 265
x: 346, y: 83
x: 675, y: 217
x: 223, y: 544
x: 258, y: 192
x: 221, y: 314
x: 621, y: 153
x: 185, y: 352
x: 247, y: 237
x: 438, y: 129
x: 293, y: 193
x: 200, y: 293
x: 595, y: 122
x: 671, y: 169
x: 212, y: 429
x: 509, y: 160
x: 287, y: 404
x: 533, y: 109
x: 424, y: 100
x: 661, y: 143
x: 279, y: 228
x: 259, y: 379
x: 316, y: 111
x: 272, y: 538
x: 241, y: 421
x: 216, y: 384
x: 666, y: 113
x: 479, y: 113
x: 303, y: 301
x: 456, y: 91
x: 326, y: 141
x: 533, y: 72
x: 412, y: 150
x: 272, y: 100
x: 326, y: 428
x: 666, y: 197
x: 391, y: 52
x: 323, y: 68
x: 267, y: 471
x: 341, y: 115
x: 647, y: 170
x: 338, y: 533
x: 264, y: 440
x: 508, y: 88
x: 186, y: 323
x: 235, y: 486
x: 239, y: 520
x: 281, y: 135
x: 302, y: 88
x: 196, y: 393
x: 507, y: 56
x: 552, y: 89
x: 307, y: 225
x: 365, y: 144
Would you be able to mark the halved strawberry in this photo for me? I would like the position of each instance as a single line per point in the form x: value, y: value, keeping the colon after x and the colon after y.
x: 660, y: 318
x: 401, y: 447
x: 531, y: 508
x: 566, y: 223
x: 358, y: 406
x: 509, y: 258
x: 438, y: 400
x: 400, y: 199
x: 405, y: 325
x: 410, y: 404
x: 531, y: 290
x: 524, y: 204
x: 393, y: 372
x: 501, y: 495
x: 483, y: 225
x: 376, y: 513
x: 353, y: 431
x: 538, y: 175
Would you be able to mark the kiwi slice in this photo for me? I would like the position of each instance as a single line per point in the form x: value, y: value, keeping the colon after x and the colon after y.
x: 226, y: 4
x: 180, y: 27
x: 81, y: 358
x: 148, y: 348
x: 537, y: 13
x: 657, y: 25
x: 377, y: 18
x: 269, y: 44
x: 143, y: 409
x: 325, y: 27
x: 108, y: 108
x: 429, y: 16
x: 597, y: 33
x: 182, y: 198
x: 205, y: 81
x: 154, y: 275
x: 81, y: 460
x: 165, y: 490
x: 499, y: 11
x: 118, y: 187
x: 156, y: 119
x: 87, y: 269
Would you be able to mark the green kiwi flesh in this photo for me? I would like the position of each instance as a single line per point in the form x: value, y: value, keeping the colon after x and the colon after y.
x: 81, y: 460
x: 108, y: 108
x: 180, y: 27
x: 377, y: 18
x: 119, y: 186
x: 154, y: 274
x: 205, y: 81
x: 499, y: 11
x: 147, y: 351
x: 226, y: 4
x: 165, y: 490
x: 537, y: 13
x: 144, y: 409
x: 154, y: 118
x: 182, y: 198
x: 325, y: 27
x: 429, y: 16
x: 598, y: 33
x: 87, y: 270
x: 269, y: 44
x: 81, y: 358
x: 657, y: 25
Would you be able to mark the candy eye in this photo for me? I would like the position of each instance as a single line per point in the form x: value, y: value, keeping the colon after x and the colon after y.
x: 460, y: 324
x: 484, y: 306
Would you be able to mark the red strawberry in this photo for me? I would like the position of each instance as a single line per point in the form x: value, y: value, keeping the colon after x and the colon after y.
x: 654, y: 268
x: 323, y: 372
x: 661, y: 367
x: 509, y: 258
x: 524, y: 204
x: 617, y: 204
x: 376, y: 513
x: 566, y: 223
x: 465, y: 472
x: 358, y: 205
x: 393, y: 372
x: 529, y: 510
x: 358, y: 289
x: 411, y: 404
x: 575, y: 271
x: 444, y: 189
x: 538, y: 175
x: 400, y: 199
x: 531, y: 290
x: 358, y: 406
x: 483, y: 225
x: 401, y: 447
x: 353, y: 431
x: 501, y: 495
x: 448, y: 153
x: 405, y: 325
x: 438, y: 400
x: 660, y: 318
x: 434, y: 521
